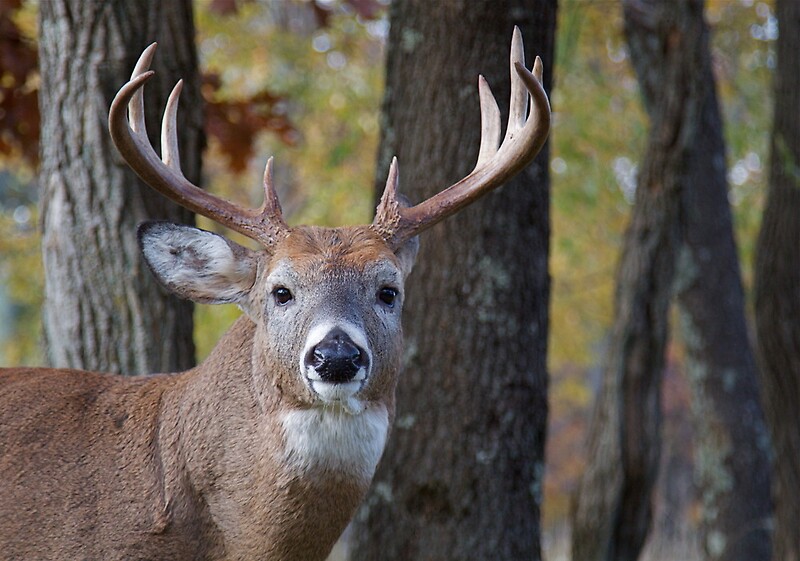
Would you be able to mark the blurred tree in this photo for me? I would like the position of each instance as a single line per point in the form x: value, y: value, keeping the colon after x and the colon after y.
x: 462, y: 476
x: 777, y: 286
x: 103, y: 310
x: 612, y: 511
x: 731, y: 437
x: 600, y: 130
x: 732, y: 450
x: 681, y: 231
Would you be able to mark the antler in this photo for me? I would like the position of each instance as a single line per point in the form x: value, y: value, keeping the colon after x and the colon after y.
x: 397, y: 222
x: 265, y: 225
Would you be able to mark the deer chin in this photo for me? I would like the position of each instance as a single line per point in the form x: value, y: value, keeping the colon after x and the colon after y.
x: 338, y: 394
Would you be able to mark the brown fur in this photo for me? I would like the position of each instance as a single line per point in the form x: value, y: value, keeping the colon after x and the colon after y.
x: 191, y: 465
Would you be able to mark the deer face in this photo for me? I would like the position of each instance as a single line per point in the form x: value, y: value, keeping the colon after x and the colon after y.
x: 326, y: 303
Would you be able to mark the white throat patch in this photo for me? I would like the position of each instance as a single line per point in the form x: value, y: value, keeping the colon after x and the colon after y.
x: 332, y: 439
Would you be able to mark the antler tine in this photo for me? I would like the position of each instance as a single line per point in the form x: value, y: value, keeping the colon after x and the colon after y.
x: 127, y: 127
x: 524, y: 138
x: 490, y: 122
x: 170, y: 154
x: 136, y: 106
x: 519, y: 95
x: 272, y: 205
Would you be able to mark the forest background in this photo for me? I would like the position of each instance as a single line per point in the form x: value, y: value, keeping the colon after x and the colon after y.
x: 306, y: 86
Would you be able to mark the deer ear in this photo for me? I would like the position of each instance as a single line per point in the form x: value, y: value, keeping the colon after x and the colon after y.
x: 197, y: 265
x: 407, y: 255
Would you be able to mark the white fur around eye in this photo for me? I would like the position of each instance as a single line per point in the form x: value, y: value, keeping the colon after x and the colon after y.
x: 195, y: 264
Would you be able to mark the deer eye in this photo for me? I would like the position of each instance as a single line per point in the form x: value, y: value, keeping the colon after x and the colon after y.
x: 282, y: 295
x: 387, y: 295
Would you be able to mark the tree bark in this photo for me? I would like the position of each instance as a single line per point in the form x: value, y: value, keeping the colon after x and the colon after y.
x: 103, y: 310
x: 777, y: 286
x: 462, y: 475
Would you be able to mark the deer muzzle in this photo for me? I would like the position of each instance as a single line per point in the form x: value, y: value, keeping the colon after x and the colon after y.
x: 336, y: 358
x: 336, y: 363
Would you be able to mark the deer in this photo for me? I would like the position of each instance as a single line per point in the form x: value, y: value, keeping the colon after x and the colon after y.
x: 266, y: 448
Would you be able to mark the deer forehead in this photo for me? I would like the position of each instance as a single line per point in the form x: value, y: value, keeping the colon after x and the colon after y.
x: 315, y: 256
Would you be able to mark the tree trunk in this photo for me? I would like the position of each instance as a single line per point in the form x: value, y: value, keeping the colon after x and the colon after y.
x: 103, y: 310
x: 777, y: 290
x: 731, y: 437
x: 462, y: 475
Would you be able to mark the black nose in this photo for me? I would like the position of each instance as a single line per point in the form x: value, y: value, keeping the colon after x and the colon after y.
x: 336, y: 358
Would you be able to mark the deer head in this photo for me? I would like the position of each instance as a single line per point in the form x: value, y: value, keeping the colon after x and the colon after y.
x: 327, y: 301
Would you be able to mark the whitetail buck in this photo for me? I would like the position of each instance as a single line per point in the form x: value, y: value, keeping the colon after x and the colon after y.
x: 265, y: 450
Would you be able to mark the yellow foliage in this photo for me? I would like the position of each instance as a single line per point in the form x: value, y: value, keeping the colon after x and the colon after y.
x: 21, y: 286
